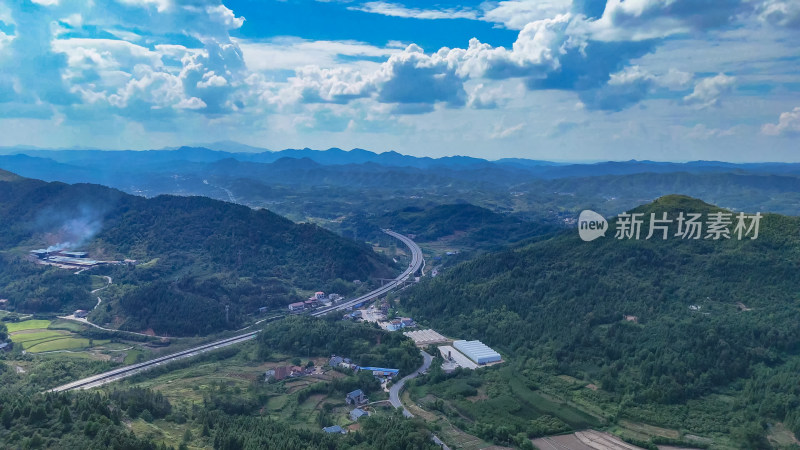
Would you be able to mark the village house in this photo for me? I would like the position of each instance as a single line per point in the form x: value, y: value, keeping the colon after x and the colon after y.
x: 357, y: 414
x: 356, y: 397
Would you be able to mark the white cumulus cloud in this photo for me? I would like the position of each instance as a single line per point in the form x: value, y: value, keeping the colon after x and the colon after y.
x: 398, y: 10
x: 515, y: 14
x: 785, y: 13
x: 210, y: 79
x: 225, y: 16
x: 161, y: 5
x: 191, y: 103
x: 708, y: 91
x: 788, y: 124
x: 501, y: 132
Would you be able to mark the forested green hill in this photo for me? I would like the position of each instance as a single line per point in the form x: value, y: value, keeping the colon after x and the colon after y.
x: 196, y: 255
x: 462, y: 224
x: 709, y: 315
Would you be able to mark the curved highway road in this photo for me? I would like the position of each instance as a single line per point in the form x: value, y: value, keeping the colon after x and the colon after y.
x: 413, y: 267
x: 116, y: 374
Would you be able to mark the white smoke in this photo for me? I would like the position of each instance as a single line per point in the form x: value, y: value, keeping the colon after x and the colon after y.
x: 72, y: 228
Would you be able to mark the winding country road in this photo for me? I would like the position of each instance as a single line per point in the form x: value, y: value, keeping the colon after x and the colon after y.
x: 397, y: 388
x: 394, y: 391
x: 100, y: 300
x: 85, y: 321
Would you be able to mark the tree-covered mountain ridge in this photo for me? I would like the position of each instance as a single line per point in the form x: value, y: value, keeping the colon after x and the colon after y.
x: 656, y: 321
x: 195, y: 255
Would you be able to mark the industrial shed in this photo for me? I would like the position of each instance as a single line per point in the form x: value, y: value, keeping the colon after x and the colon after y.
x: 477, y: 351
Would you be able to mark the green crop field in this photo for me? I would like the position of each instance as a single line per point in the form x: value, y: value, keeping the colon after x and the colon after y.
x: 61, y: 324
x: 30, y: 339
x: 131, y: 357
x: 67, y: 343
x: 38, y: 336
x: 27, y: 325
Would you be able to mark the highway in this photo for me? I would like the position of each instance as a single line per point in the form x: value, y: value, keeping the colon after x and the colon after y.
x: 123, y: 372
x: 416, y: 262
x: 116, y: 374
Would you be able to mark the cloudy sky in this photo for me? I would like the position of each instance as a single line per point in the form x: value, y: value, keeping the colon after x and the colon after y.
x: 547, y: 79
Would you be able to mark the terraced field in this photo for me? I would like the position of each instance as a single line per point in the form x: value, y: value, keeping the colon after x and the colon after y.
x: 36, y: 336
x: 29, y: 338
x: 64, y: 344
x: 27, y: 325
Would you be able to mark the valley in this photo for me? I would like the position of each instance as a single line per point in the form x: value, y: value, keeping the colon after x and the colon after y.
x: 399, y: 225
x: 590, y: 333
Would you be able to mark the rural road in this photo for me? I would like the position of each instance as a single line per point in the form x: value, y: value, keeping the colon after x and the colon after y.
x: 394, y: 394
x: 394, y: 391
x: 108, y: 279
x: 99, y: 300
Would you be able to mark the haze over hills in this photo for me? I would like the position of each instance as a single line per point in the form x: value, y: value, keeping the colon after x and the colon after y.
x: 195, y: 256
x: 337, y: 156
x: 297, y: 183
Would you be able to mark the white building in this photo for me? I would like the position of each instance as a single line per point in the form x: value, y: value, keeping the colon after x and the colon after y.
x: 477, y: 351
x: 455, y: 358
x: 425, y: 337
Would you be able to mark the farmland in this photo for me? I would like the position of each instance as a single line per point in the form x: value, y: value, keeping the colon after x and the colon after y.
x: 233, y: 381
x: 37, y: 336
x: 27, y: 325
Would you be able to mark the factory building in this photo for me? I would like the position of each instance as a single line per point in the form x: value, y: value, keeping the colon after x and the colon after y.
x: 453, y: 358
x: 69, y: 261
x: 425, y: 337
x: 66, y: 259
x: 77, y: 255
x: 477, y: 351
x: 40, y: 253
x: 380, y: 372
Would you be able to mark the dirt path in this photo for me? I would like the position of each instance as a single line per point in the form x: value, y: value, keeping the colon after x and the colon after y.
x: 100, y: 300
x: 104, y: 287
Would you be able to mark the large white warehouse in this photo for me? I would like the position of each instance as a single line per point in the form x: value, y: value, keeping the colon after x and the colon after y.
x: 477, y: 351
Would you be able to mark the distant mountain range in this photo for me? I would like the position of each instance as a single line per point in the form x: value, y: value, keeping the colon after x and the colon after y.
x: 335, y: 156
x: 297, y: 182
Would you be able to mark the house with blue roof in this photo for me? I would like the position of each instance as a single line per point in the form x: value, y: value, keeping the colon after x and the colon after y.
x: 356, y: 397
x: 357, y: 414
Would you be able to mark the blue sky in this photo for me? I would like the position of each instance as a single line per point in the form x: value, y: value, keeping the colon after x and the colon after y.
x: 545, y: 79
